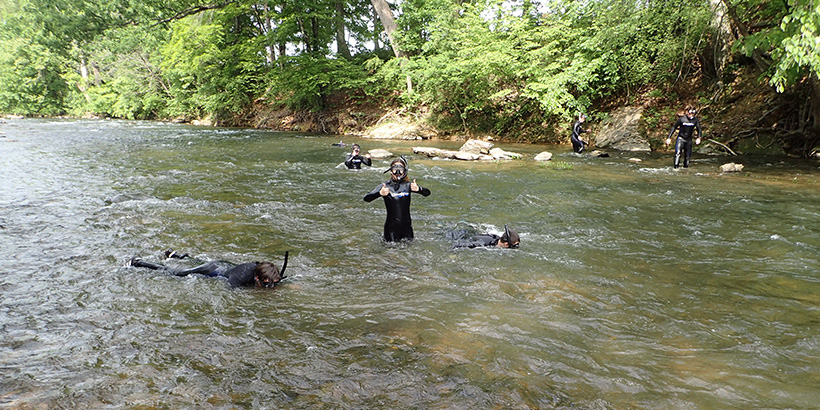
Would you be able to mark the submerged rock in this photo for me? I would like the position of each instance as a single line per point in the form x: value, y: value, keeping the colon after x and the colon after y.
x: 543, y: 156
x: 599, y: 154
x: 498, y: 153
x: 380, y: 153
x: 472, y: 150
x: 731, y: 167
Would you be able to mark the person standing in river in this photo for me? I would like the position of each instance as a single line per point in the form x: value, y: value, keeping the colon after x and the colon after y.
x: 577, y: 143
x: 396, y: 193
x: 354, y: 160
x: 683, y: 144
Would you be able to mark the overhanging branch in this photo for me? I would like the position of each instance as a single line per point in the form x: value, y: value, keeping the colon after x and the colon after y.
x: 193, y: 10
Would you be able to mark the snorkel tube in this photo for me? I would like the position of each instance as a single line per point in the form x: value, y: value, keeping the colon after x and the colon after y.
x: 508, y: 237
x: 284, y: 266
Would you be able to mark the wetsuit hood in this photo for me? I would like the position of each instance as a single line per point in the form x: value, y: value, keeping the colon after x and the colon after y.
x: 510, y: 237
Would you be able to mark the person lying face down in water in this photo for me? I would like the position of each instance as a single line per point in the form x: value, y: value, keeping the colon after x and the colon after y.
x: 259, y: 274
x: 509, y: 239
x: 396, y: 193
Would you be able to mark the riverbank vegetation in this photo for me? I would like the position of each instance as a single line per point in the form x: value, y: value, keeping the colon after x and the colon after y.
x: 516, y: 70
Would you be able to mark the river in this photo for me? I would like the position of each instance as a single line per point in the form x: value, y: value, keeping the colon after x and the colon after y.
x: 635, y: 287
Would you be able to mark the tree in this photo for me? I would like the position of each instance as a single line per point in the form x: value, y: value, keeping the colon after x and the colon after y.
x: 786, y: 36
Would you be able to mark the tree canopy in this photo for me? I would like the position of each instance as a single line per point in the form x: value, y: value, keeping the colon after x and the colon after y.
x: 480, y: 65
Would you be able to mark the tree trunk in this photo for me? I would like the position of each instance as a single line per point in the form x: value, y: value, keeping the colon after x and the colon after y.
x: 815, y: 107
x: 389, y: 23
x: 341, y: 42
x: 83, y: 85
x: 305, y: 35
x: 721, y: 43
x: 270, y: 50
x: 376, y: 46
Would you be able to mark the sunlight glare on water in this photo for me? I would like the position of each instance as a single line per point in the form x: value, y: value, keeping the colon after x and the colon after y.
x: 636, y: 286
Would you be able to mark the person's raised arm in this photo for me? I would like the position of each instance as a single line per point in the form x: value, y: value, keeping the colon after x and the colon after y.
x: 379, y: 191
x: 416, y: 188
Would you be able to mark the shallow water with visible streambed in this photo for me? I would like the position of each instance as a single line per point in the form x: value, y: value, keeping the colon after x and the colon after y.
x: 636, y: 286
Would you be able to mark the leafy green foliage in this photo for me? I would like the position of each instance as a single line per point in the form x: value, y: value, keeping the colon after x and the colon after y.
x: 507, y: 68
x: 30, y: 78
x: 306, y: 81
x: 799, y: 51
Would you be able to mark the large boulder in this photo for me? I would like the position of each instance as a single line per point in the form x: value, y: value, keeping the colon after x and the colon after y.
x: 435, y: 152
x: 621, y: 131
x: 477, y: 147
x: 399, y: 131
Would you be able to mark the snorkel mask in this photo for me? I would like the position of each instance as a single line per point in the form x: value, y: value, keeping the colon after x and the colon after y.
x: 398, y: 168
x: 506, y: 238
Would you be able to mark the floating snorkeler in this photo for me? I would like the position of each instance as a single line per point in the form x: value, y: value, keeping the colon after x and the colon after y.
x: 396, y: 193
x: 260, y: 274
x: 510, y: 239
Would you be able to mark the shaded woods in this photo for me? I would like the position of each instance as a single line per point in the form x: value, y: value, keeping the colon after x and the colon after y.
x: 517, y: 70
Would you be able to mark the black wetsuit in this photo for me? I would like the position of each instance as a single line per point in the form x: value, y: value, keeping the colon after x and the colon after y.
x: 475, y: 241
x: 683, y: 144
x: 577, y: 144
x: 398, y: 224
x: 355, y: 162
x: 237, y: 275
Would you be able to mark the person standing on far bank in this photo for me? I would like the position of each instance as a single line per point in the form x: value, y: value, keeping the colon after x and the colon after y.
x: 683, y: 144
x: 577, y: 143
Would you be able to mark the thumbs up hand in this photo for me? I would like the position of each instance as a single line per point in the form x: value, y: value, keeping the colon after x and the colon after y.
x: 385, y: 190
x: 414, y: 186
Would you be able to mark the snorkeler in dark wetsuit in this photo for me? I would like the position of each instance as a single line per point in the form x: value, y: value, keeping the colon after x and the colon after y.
x: 396, y: 194
x: 262, y: 274
x: 577, y: 143
x: 355, y: 161
x: 510, y: 239
x: 683, y: 144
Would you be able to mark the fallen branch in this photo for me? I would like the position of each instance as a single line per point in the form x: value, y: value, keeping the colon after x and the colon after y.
x: 722, y: 145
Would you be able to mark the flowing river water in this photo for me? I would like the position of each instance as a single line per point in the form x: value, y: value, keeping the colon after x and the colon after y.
x: 635, y: 286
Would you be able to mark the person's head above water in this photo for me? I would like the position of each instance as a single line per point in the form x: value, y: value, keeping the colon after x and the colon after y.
x: 267, y: 275
x: 356, y: 149
x: 398, y: 169
x: 510, y: 239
